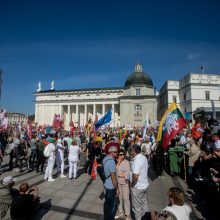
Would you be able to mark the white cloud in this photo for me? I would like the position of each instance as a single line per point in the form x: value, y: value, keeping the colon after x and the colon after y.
x: 192, y: 56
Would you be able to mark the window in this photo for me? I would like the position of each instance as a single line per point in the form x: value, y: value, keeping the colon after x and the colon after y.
x: 184, y: 97
x: 174, y: 98
x: 138, y: 92
x: 207, y: 95
x: 137, y: 107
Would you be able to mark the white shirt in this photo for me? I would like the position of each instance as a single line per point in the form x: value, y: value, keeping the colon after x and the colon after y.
x: 74, y: 151
x: 52, y: 149
x: 181, y: 212
x: 140, y: 167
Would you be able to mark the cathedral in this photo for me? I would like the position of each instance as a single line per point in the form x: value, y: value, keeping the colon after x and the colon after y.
x: 131, y: 103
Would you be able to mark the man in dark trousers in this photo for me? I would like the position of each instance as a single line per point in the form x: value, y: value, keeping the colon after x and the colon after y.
x: 111, y: 183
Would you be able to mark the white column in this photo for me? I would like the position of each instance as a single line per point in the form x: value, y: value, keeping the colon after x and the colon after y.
x: 85, y: 113
x: 103, y: 109
x: 36, y: 113
x: 43, y: 112
x: 60, y: 110
x: 77, y: 113
x: 94, y: 111
x: 68, y: 118
x: 113, y: 111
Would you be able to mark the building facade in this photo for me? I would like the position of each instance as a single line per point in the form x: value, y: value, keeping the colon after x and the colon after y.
x: 129, y: 103
x: 193, y: 93
x: 17, y: 118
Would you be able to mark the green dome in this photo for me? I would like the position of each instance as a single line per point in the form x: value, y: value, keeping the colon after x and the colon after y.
x: 139, y: 78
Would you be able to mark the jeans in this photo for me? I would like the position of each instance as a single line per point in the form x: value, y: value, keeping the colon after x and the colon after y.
x: 109, y: 204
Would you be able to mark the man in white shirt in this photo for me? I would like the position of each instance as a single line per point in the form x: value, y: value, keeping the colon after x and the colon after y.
x: 139, y: 182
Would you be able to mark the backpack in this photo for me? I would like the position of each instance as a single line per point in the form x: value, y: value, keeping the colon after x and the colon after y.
x: 101, y: 172
x: 46, y: 151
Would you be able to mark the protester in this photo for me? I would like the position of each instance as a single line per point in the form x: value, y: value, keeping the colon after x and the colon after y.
x: 177, y: 204
x: 111, y: 183
x: 60, y: 158
x: 24, y: 205
x: 23, y: 155
x: 50, y: 161
x: 123, y: 177
x: 74, y: 151
x: 40, y: 154
x: 139, y: 182
x: 33, y: 144
x: 7, y: 194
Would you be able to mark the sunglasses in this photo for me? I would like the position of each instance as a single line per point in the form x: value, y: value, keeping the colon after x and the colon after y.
x: 121, y: 154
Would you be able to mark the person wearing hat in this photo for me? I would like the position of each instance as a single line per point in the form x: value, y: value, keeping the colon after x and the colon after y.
x: 111, y: 183
x: 50, y: 161
x: 7, y: 194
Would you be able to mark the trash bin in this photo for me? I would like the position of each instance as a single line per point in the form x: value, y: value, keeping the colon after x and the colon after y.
x: 175, y: 158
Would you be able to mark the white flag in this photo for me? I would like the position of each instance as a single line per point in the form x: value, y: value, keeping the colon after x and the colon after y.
x: 146, y: 125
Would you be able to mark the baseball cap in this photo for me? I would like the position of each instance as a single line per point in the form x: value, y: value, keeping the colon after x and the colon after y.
x: 8, y: 179
x: 51, y: 140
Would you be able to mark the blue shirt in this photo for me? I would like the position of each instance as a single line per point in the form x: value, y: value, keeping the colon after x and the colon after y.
x: 109, y: 167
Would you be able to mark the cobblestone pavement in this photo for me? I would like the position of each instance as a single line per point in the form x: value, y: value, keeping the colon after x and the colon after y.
x: 79, y: 199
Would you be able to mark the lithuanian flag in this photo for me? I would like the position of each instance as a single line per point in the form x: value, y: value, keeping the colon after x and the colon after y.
x: 171, y: 124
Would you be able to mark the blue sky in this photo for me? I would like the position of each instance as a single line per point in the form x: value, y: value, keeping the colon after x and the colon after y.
x: 95, y: 44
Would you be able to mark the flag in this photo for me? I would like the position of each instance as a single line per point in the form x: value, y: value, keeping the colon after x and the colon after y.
x: 93, y: 126
x: 94, y: 170
x: 106, y: 119
x: 197, y: 131
x: 57, y: 123
x: 171, y: 124
x: 146, y: 125
x: 4, y: 119
x: 72, y: 127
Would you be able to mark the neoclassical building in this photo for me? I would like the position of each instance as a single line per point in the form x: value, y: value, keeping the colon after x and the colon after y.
x: 195, y: 92
x: 129, y: 104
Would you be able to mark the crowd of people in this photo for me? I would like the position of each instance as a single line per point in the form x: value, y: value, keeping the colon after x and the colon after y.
x: 124, y: 155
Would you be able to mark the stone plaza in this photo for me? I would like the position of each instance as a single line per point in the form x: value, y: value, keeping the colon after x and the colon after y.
x: 79, y: 199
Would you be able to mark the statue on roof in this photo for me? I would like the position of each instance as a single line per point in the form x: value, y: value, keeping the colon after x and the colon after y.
x: 39, y: 87
x: 52, y: 85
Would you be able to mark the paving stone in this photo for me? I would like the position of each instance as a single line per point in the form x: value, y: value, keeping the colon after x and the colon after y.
x: 79, y: 199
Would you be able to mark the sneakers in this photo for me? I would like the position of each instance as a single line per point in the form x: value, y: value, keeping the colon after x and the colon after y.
x: 51, y: 180
x: 118, y: 215
x: 62, y: 176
